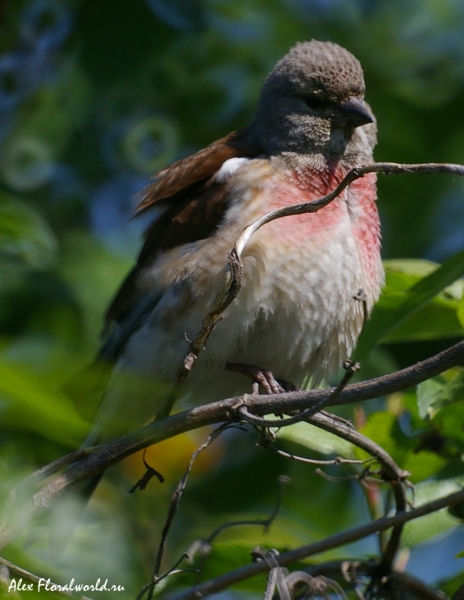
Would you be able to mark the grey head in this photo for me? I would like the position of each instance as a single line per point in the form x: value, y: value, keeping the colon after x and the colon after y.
x: 312, y: 103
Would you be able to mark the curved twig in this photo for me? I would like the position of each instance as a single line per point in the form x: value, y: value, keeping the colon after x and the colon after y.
x: 174, y: 504
x: 204, y: 546
x: 232, y: 279
x: 265, y: 523
x: 390, y: 473
x: 338, y: 460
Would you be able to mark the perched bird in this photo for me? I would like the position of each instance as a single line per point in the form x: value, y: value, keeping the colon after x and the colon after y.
x: 298, y: 313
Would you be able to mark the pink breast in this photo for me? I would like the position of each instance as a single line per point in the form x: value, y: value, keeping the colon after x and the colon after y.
x: 287, y: 191
x: 356, y: 207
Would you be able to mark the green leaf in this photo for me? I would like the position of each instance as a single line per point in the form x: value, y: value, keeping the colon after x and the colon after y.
x: 92, y: 273
x: 429, y: 526
x: 29, y: 403
x: 428, y: 394
x: 449, y: 421
x: 383, y: 429
x: 406, y: 294
x: 461, y: 311
x: 433, y: 395
x: 451, y: 584
x: 24, y: 234
x: 316, y: 439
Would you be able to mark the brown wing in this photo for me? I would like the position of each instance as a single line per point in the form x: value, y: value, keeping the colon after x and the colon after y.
x: 185, y: 173
x: 196, y: 205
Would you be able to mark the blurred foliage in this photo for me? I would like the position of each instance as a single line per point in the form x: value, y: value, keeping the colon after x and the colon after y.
x: 96, y: 95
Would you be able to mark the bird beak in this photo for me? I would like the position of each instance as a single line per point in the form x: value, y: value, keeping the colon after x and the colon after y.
x: 355, y: 112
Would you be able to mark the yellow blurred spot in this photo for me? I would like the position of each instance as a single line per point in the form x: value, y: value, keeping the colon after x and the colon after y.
x: 172, y: 456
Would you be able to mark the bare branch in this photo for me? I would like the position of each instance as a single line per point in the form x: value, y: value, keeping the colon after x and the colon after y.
x: 387, y: 168
x: 390, y: 472
x: 218, y: 412
x: 340, y: 539
x: 308, y: 402
x: 227, y: 292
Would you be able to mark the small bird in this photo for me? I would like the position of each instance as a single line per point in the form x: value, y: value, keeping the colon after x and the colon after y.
x: 298, y: 314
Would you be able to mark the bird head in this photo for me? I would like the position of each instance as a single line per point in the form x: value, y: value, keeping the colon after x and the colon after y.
x: 312, y: 102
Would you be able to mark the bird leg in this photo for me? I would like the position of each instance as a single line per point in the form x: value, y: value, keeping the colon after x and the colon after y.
x: 263, y: 377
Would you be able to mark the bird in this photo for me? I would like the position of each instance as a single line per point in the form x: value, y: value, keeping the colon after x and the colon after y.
x: 298, y: 314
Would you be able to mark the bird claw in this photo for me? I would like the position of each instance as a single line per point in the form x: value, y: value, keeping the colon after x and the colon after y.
x: 262, y: 377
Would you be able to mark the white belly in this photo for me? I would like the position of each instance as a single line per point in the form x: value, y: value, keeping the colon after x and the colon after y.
x: 296, y: 314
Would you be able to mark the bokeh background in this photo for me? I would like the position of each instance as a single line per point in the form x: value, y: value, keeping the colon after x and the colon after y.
x: 95, y: 97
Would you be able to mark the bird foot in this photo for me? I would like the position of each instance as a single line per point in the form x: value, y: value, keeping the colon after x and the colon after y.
x: 263, y: 378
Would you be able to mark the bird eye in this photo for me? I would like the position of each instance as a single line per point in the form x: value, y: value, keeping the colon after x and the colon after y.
x: 314, y: 101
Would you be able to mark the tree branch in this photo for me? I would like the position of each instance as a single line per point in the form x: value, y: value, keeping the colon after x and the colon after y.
x: 340, y: 539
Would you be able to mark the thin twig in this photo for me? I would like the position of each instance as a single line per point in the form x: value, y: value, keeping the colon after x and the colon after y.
x: 174, y: 505
x: 147, y: 476
x: 227, y: 292
x: 217, y: 412
x: 229, y: 289
x: 338, y: 460
x: 266, y: 523
x: 232, y: 279
x: 390, y: 473
x: 205, y: 545
x: 362, y: 477
x: 172, y: 571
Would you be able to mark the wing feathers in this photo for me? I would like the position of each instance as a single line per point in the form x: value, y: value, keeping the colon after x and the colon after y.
x: 188, y: 171
x: 196, y: 204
